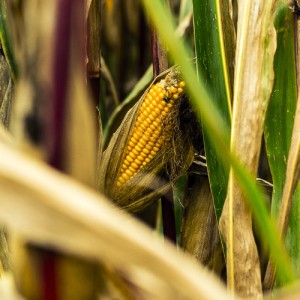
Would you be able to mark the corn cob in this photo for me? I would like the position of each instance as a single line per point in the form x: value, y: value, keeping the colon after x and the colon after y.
x: 150, y: 148
x: 147, y: 135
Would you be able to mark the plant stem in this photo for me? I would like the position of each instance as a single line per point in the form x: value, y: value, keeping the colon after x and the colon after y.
x: 168, y: 217
x: 160, y: 64
x: 94, y: 49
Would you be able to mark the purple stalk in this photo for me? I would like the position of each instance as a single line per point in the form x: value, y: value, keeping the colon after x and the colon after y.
x: 160, y: 64
x: 69, y: 31
x: 61, y: 55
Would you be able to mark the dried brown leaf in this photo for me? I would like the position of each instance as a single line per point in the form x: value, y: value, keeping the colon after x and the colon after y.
x: 256, y: 43
x: 199, y: 230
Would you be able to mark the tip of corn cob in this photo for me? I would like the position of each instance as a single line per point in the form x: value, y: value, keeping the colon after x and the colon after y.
x: 148, y: 134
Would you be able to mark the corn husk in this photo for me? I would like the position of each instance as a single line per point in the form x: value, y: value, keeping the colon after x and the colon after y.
x: 155, y: 179
x: 199, y: 230
x: 6, y: 92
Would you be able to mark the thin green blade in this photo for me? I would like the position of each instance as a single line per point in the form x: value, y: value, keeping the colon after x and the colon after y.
x: 292, y: 237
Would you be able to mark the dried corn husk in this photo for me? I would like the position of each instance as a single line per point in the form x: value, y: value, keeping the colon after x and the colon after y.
x: 155, y: 178
x: 6, y: 92
x: 199, y: 230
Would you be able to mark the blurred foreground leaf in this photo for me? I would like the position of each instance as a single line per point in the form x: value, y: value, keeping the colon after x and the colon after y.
x: 36, y: 195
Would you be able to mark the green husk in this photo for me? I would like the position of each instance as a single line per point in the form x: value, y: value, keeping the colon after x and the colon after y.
x: 155, y: 179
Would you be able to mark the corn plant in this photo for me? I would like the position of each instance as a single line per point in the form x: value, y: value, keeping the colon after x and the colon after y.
x: 149, y: 149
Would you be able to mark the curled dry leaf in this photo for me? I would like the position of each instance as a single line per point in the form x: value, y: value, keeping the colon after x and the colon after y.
x: 149, y: 149
x: 6, y: 91
x: 199, y: 230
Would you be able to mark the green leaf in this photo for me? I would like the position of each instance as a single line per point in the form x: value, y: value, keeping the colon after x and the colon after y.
x: 279, y: 126
x: 212, y: 66
x: 281, y: 110
x: 292, y: 236
x: 5, y: 40
x: 219, y: 132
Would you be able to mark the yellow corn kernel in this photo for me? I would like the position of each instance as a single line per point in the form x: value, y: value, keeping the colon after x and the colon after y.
x: 134, y: 165
x: 138, y: 162
x: 143, y: 126
x: 134, y: 141
x: 157, y: 110
x: 129, y: 173
x: 138, y: 148
x: 148, y: 110
x: 121, y: 179
x: 148, y: 132
x: 125, y: 176
x: 131, y: 155
x: 146, y: 151
x: 148, y: 147
x: 135, y: 152
x: 152, y: 126
x: 128, y: 158
x: 173, y: 90
x: 140, y: 158
x: 152, y: 117
x: 182, y: 84
x: 143, y: 154
x: 126, y: 162
x: 160, y: 107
